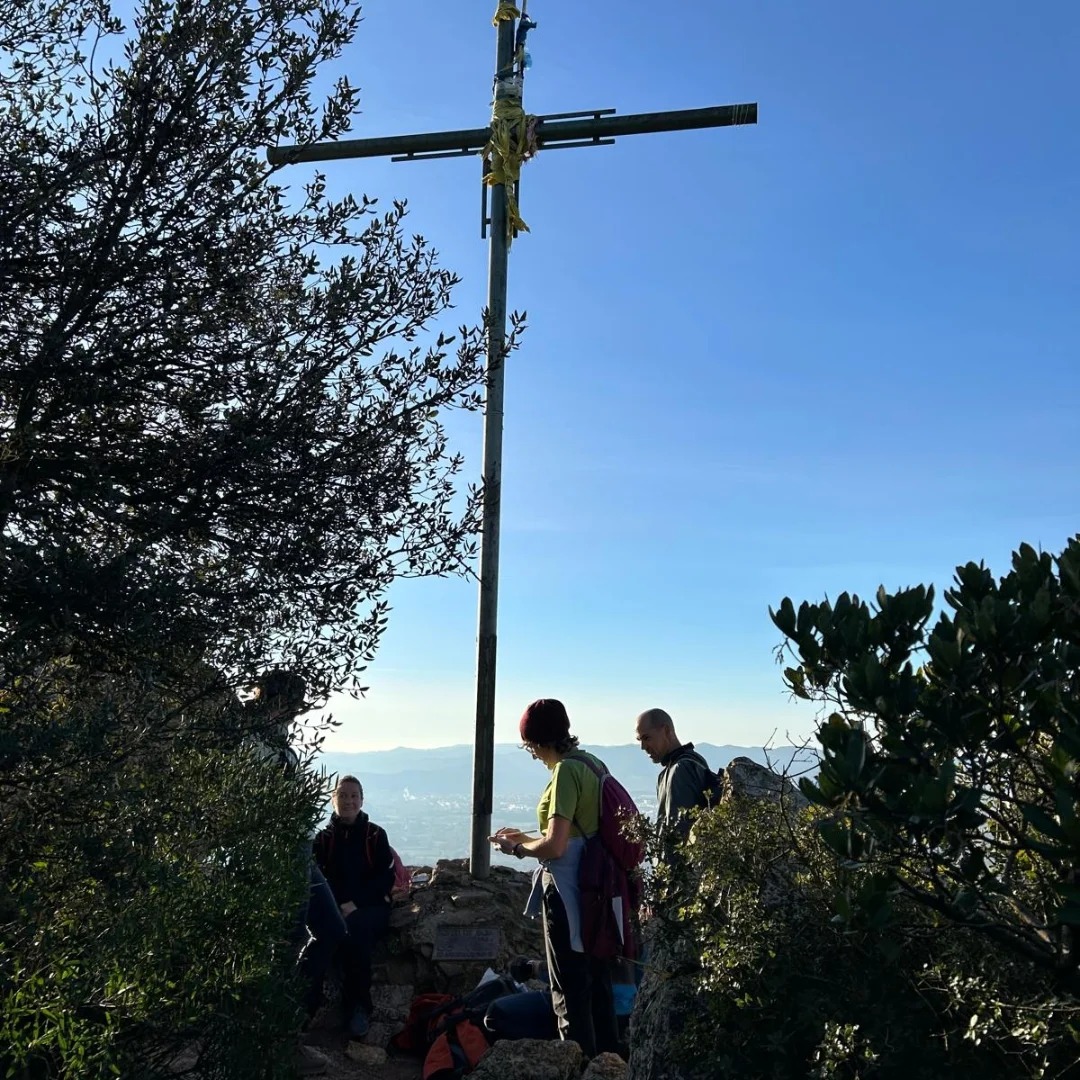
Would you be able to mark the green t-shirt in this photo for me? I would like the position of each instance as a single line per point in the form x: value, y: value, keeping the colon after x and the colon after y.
x: 572, y: 793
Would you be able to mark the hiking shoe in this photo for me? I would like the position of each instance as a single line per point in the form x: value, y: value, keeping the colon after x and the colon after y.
x: 358, y: 1025
x: 309, y: 1062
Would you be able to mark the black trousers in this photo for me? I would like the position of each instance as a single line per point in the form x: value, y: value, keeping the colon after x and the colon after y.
x: 365, y: 925
x: 580, y: 985
x: 319, y: 931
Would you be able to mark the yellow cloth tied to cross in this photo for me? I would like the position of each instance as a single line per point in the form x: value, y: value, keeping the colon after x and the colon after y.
x: 512, y: 143
x: 505, y: 11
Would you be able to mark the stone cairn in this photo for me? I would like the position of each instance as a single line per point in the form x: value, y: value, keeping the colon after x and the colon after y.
x: 406, y: 961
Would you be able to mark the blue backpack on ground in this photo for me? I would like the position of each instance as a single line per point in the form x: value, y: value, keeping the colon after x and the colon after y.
x: 528, y: 1015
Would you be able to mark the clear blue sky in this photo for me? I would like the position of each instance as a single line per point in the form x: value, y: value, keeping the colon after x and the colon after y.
x: 834, y: 350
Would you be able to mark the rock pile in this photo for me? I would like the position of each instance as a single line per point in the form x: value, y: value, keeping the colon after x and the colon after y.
x: 406, y: 963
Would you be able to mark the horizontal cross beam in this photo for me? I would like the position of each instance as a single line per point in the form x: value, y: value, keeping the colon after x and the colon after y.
x: 549, y: 133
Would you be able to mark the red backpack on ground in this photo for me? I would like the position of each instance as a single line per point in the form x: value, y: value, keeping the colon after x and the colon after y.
x: 448, y: 1029
x: 424, y: 1009
x: 608, y: 877
x: 457, y: 1049
x: 442, y: 1029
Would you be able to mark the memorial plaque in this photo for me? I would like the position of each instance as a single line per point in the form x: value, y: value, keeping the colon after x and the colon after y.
x: 466, y: 943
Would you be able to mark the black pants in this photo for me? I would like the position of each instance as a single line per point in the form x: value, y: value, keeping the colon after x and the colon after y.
x: 580, y: 985
x: 365, y: 925
x: 319, y: 930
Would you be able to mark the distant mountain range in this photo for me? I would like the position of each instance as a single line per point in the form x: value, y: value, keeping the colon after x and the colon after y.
x: 423, y: 798
x: 447, y: 770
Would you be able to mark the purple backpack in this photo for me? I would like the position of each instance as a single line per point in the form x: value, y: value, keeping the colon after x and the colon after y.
x: 607, y: 876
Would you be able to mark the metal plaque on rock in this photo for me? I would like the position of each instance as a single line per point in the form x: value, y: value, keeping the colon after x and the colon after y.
x: 466, y: 943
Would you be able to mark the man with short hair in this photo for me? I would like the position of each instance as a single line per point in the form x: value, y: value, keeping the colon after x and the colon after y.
x: 685, y: 781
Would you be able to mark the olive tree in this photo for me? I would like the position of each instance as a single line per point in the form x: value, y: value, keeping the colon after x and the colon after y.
x: 222, y: 408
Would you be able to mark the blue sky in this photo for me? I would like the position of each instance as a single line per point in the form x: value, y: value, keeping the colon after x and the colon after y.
x: 834, y: 350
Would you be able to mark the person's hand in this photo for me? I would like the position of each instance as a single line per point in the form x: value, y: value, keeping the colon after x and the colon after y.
x: 348, y: 908
x: 503, y: 842
x: 515, y: 836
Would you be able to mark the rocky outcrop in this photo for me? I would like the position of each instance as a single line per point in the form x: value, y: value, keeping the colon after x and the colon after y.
x: 747, y: 779
x: 605, y: 1067
x: 530, y: 1059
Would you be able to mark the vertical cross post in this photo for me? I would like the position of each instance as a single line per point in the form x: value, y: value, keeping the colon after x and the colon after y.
x: 487, y: 616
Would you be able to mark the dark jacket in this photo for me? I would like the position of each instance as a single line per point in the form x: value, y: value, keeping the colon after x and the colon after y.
x: 356, y: 860
x: 682, y: 784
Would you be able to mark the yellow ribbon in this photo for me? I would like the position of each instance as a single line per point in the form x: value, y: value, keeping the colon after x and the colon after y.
x: 505, y: 11
x: 512, y: 143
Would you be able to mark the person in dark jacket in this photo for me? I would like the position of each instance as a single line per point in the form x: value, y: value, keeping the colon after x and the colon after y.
x: 685, y: 781
x: 354, y: 854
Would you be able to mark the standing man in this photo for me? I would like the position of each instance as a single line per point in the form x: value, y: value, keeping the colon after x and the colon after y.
x: 685, y: 782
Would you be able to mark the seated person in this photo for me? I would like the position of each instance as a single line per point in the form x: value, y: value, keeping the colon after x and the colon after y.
x: 354, y: 854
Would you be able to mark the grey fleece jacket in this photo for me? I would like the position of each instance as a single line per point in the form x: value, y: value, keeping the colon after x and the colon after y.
x: 680, y: 786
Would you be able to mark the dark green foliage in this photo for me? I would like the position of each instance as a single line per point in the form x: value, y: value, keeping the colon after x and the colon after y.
x: 919, y: 920
x: 220, y: 442
x: 783, y: 987
x: 151, y: 915
x: 950, y: 758
x: 216, y: 412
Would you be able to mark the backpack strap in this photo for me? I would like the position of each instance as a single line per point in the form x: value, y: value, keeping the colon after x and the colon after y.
x: 600, y: 775
x: 597, y: 770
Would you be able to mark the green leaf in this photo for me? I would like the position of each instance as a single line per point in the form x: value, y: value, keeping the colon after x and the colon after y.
x: 1040, y: 820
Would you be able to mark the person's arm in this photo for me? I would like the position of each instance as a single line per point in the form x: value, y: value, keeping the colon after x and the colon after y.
x: 515, y: 835
x: 550, y: 846
x: 686, y: 786
x: 384, y: 866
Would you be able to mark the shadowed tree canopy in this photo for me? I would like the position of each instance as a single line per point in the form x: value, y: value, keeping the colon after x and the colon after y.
x: 222, y: 403
x: 218, y: 415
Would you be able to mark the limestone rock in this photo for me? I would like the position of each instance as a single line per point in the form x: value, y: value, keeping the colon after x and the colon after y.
x: 380, y: 1034
x: 391, y: 1002
x: 747, y: 779
x: 605, y: 1067
x: 531, y: 1059
x: 363, y: 1054
x: 662, y: 1001
x: 452, y: 898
